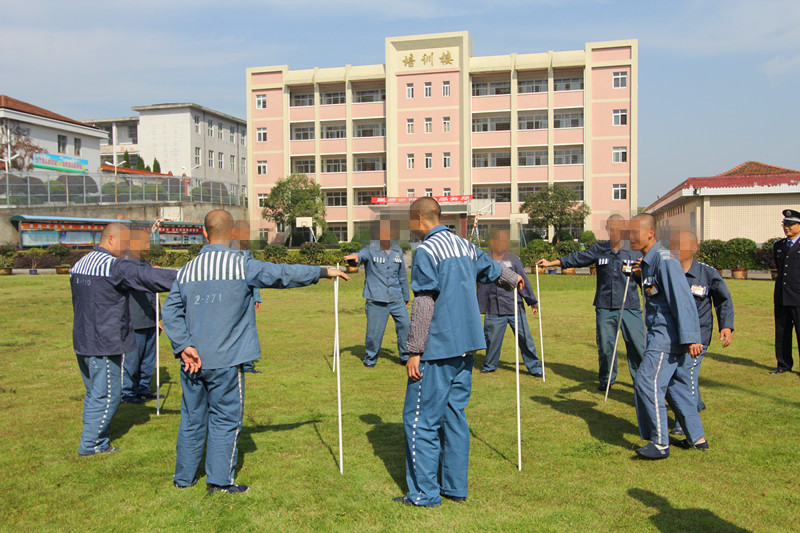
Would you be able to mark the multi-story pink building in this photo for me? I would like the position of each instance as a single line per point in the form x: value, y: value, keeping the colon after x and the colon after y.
x: 435, y: 120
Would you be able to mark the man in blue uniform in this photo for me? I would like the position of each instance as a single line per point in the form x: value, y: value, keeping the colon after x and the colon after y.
x: 240, y: 240
x: 497, y: 306
x: 386, y: 292
x: 445, y: 329
x: 101, y: 331
x: 210, y: 319
x: 708, y: 288
x: 673, y: 330
x: 139, y: 365
x: 610, y: 257
x: 786, y: 297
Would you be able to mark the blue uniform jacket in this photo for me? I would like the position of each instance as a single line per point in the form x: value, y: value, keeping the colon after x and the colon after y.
x: 446, y: 267
x: 385, y: 277
x: 707, y: 286
x: 671, y: 320
x: 210, y: 306
x: 496, y: 301
x: 100, y: 285
x: 142, y: 306
x: 610, y: 279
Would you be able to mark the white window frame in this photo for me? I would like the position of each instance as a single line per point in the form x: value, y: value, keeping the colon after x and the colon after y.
x: 429, y: 160
x: 427, y: 89
x: 619, y: 191
x: 211, y: 159
x: 428, y: 125
x: 261, y: 168
x: 220, y: 160
x: 446, y: 88
x: 620, y: 117
x: 409, y: 91
x: 219, y: 130
x: 261, y: 101
x: 197, y: 155
x: 210, y: 124
x: 446, y: 124
x: 409, y: 126
x: 196, y: 123
x: 446, y: 160
x: 428, y: 192
x: 410, y: 193
x: 261, y: 135
x: 233, y: 163
x: 446, y: 191
x: 409, y: 161
x: 262, y: 199
x: 620, y: 79
x: 336, y: 198
x: 619, y: 154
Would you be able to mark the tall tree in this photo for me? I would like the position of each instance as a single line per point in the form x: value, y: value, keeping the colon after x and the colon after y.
x: 556, y: 206
x: 21, y: 143
x: 139, y: 163
x: 294, y: 196
x: 126, y: 160
x: 156, y: 166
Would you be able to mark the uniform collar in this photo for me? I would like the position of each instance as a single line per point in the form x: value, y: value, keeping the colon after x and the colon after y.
x: 694, y: 270
x: 103, y: 250
x: 651, y: 253
x: 214, y: 248
x: 375, y: 247
x: 437, y: 229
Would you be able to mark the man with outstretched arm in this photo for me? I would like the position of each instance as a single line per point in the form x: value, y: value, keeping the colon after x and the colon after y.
x: 445, y: 329
x: 209, y: 317
x: 673, y: 331
x: 101, y: 332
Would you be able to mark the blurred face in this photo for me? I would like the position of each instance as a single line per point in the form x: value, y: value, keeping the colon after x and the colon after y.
x: 501, y: 242
x: 791, y: 229
x: 616, y: 230
x: 683, y: 244
x: 139, y: 244
x: 385, y: 232
x: 640, y: 234
x: 241, y: 231
x: 415, y: 224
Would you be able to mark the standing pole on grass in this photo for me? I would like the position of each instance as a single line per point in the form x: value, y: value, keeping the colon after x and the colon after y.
x: 158, y: 366
x: 516, y: 361
x: 541, y: 335
x: 616, y: 337
x: 338, y: 365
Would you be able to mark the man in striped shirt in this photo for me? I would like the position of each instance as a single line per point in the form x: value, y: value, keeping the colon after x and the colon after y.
x: 102, y: 330
x: 209, y: 317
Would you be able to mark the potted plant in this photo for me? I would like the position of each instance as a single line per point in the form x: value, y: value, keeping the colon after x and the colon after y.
x: 565, y: 248
x: 711, y: 252
x: 33, y: 254
x: 350, y: 248
x: 7, y: 253
x: 740, y: 254
x: 61, y: 253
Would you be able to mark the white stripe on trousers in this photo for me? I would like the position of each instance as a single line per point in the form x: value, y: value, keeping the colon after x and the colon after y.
x: 238, y: 426
x: 655, y: 398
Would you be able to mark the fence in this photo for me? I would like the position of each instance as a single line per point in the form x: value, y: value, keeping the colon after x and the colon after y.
x: 51, y: 188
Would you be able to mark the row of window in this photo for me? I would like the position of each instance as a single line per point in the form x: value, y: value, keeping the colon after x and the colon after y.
x: 218, y: 130
x: 299, y: 99
x: 335, y: 130
x: 63, y: 143
x: 219, y: 161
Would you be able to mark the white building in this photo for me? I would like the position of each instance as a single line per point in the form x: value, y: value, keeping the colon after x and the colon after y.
x: 186, y: 139
x: 56, y: 134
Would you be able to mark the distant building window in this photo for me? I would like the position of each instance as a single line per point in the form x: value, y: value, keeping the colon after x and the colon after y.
x: 76, y: 146
x: 334, y: 98
x: 244, y: 164
x: 261, y: 135
x: 620, y: 80
x: 210, y: 128
x: 480, y: 89
x: 334, y: 131
x: 480, y: 160
x: 232, y: 137
x: 220, y: 157
x: 261, y: 168
x: 568, y: 156
x: 303, y: 166
x: 620, y: 191
x: 263, y: 233
x: 620, y: 117
x: 446, y: 191
x: 568, y: 84
x: 446, y: 124
x: 243, y: 137
x: 302, y: 99
x: 428, y: 192
x: 532, y: 158
x: 370, y: 95
x: 261, y: 101
x: 500, y: 87
x: 429, y: 160
x: 409, y: 90
x: 365, y: 197
x: 302, y: 133
x: 196, y: 124
x: 336, y: 198
x: 428, y: 125
x: 219, y: 130
x: 409, y: 161
x: 428, y: 90
x: 409, y: 126
x: 569, y: 119
x: 133, y: 134
x: 262, y: 199
x: 619, y: 154
x: 502, y: 123
x: 377, y: 129
x: 196, y: 155
x: 339, y: 230
x: 524, y: 190
x: 233, y: 163
x: 410, y: 193
x: 577, y: 187
x: 62, y: 144
x: 445, y: 88
x: 531, y: 86
x: 369, y: 164
x: 446, y: 161
x: 211, y: 158
x: 335, y: 165
x: 532, y: 122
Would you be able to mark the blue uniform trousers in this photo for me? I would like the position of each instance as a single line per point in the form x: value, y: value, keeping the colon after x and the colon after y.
x: 101, y: 376
x: 633, y: 334
x: 377, y: 316
x: 494, y: 328
x: 661, y: 372
x: 212, y: 405
x: 437, y: 434
x: 138, y: 366
x: 693, y: 368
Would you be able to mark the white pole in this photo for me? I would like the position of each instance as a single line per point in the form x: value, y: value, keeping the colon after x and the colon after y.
x: 336, y: 323
x: 541, y: 336
x: 516, y: 361
x: 158, y: 366
x: 338, y: 371
x: 616, y: 337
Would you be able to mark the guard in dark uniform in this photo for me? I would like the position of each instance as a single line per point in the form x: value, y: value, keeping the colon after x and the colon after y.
x: 610, y: 256
x: 102, y: 331
x: 787, y: 291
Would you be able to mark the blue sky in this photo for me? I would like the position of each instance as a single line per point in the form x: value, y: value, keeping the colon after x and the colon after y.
x: 718, y: 79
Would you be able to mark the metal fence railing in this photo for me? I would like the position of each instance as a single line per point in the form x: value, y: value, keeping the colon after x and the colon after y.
x: 20, y: 189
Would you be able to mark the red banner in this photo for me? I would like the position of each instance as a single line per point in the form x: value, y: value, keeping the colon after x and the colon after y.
x: 387, y: 200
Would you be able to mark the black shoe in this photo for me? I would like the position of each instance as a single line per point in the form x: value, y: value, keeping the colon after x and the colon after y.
x: 370, y: 366
x: 484, y: 371
x: 403, y: 499
x: 601, y: 387
x: 651, y: 452
x: 254, y: 371
x: 686, y: 445
x: 779, y: 371
x: 110, y: 449
x: 228, y: 489
x: 459, y: 499
x: 151, y: 396
x: 182, y: 486
x: 537, y: 374
x: 677, y: 431
x: 133, y: 399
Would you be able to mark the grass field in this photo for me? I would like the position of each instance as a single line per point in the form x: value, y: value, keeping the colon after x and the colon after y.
x: 579, y: 471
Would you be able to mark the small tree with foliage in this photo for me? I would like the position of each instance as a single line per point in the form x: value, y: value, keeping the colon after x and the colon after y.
x: 156, y: 166
x: 294, y: 196
x: 7, y: 254
x: 587, y: 237
x: 139, y: 163
x: 557, y: 206
x: 126, y: 160
x: 711, y: 252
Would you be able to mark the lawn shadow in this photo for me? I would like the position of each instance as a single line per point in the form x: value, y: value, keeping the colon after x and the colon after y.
x: 129, y: 415
x: 330, y: 450
x: 358, y: 350
x: 588, y: 382
x: 705, y: 382
x: 671, y: 518
x: 387, y: 439
x: 733, y: 360
x: 602, y: 426
x: 247, y: 444
x: 495, y: 450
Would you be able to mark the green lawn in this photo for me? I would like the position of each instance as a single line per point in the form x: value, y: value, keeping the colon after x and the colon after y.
x: 579, y: 471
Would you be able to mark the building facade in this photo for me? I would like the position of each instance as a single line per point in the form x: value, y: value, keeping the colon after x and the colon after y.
x: 204, y: 144
x: 745, y: 201
x: 434, y: 120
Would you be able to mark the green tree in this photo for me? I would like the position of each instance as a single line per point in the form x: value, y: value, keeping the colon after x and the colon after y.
x: 126, y: 160
x: 294, y: 196
x: 139, y: 163
x: 156, y: 166
x: 557, y: 206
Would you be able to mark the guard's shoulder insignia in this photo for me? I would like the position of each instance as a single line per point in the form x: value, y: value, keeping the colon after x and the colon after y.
x: 664, y: 253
